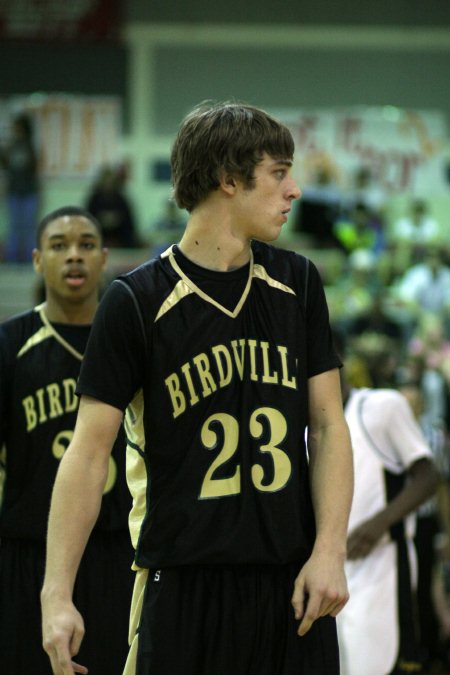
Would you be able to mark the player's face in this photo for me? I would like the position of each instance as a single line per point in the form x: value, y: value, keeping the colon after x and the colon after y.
x: 262, y: 210
x: 71, y: 259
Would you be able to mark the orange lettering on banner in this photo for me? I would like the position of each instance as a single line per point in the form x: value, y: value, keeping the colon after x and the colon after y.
x: 76, y: 134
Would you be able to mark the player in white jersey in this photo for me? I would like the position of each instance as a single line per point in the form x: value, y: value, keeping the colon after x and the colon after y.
x: 394, y: 473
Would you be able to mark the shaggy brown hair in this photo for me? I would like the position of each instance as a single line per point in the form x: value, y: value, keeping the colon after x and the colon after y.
x: 218, y: 138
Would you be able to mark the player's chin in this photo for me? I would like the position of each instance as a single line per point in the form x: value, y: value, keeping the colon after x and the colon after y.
x: 270, y: 234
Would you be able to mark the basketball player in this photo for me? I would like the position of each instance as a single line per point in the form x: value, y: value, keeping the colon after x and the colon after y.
x: 220, y: 353
x: 40, y: 357
x: 394, y: 474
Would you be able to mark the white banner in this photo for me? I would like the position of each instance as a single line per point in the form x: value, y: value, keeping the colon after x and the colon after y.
x: 74, y: 135
x: 405, y: 150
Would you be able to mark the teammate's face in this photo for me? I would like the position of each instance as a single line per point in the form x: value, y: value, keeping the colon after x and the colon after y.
x: 262, y: 210
x: 71, y: 260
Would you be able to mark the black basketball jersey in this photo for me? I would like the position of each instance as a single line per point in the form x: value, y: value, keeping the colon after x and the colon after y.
x: 216, y: 400
x: 39, y: 367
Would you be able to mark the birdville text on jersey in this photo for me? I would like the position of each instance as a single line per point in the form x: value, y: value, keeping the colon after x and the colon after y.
x: 203, y: 374
x: 53, y: 400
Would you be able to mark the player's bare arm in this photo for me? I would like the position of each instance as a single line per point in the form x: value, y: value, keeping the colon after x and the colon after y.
x: 74, y: 509
x: 320, y: 587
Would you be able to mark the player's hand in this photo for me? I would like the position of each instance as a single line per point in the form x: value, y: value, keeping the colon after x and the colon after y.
x: 62, y: 634
x: 320, y: 589
x: 364, y: 538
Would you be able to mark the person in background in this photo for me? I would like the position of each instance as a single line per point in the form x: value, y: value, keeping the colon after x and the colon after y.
x: 168, y: 228
x: 430, y: 526
x: 109, y: 204
x: 376, y: 319
x: 425, y: 287
x: 40, y: 357
x: 360, y: 229
x: 20, y: 162
x: 220, y: 351
x: 351, y: 296
x: 366, y: 190
x: 427, y: 361
x: 394, y: 474
x: 412, y: 234
x: 320, y: 205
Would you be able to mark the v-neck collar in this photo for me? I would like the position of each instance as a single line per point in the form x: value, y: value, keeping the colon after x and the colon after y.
x: 52, y: 331
x: 195, y: 289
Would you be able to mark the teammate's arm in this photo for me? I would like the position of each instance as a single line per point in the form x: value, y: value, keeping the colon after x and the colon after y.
x: 404, y: 436
x: 321, y: 587
x: 75, y: 506
x: 422, y: 483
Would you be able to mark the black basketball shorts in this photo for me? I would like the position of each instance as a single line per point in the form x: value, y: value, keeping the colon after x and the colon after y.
x: 235, y: 620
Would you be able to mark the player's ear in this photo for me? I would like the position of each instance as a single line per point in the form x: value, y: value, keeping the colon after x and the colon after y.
x: 228, y: 183
x: 37, y: 260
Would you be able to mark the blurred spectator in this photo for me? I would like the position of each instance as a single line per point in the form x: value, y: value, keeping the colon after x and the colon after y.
x: 425, y: 287
x: 360, y: 229
x: 169, y: 227
x: 19, y: 159
x: 319, y: 207
x: 172, y: 219
x: 430, y: 341
x: 351, y: 294
x: 441, y: 586
x: 412, y: 234
x: 381, y: 357
x: 432, y: 385
x: 428, y: 363
x: 428, y: 527
x: 109, y: 204
x: 418, y: 227
x: 365, y: 191
x: 375, y: 319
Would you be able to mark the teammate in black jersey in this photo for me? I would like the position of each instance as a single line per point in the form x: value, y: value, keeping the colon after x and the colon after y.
x: 220, y: 355
x: 40, y: 357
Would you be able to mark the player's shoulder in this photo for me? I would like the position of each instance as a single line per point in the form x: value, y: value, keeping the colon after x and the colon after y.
x: 149, y: 273
x: 16, y: 331
x: 131, y: 284
x: 141, y: 290
x: 389, y: 396
x: 384, y: 399
x: 21, y: 323
x: 270, y: 252
x: 279, y: 262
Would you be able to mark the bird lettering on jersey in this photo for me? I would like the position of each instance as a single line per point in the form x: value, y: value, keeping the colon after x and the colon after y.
x: 206, y: 372
x: 49, y: 402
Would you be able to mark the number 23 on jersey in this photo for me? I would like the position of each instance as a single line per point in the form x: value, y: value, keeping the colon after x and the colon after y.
x: 262, y: 418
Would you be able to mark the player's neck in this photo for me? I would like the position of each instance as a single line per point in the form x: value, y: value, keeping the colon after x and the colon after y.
x: 82, y: 314
x: 213, y: 243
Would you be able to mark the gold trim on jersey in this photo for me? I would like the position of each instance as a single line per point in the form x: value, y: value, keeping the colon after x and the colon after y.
x: 38, y: 337
x: 186, y: 286
x: 260, y: 273
x: 59, y: 338
x: 195, y: 289
x: 136, y: 469
x: 47, y: 331
x: 180, y: 291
